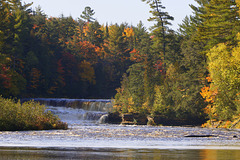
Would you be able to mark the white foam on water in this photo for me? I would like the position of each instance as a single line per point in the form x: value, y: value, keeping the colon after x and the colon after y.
x: 75, y: 116
x: 85, y: 131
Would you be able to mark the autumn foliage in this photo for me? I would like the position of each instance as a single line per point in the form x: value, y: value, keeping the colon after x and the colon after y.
x: 157, y: 72
x: 60, y: 57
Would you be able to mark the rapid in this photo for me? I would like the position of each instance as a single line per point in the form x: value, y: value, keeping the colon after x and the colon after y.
x: 87, y: 133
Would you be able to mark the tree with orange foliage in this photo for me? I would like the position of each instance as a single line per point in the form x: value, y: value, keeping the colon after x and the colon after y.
x: 224, y: 69
x: 93, y: 33
x: 209, y: 93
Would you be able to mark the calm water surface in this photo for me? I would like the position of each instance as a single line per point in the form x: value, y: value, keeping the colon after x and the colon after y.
x: 86, y: 138
x: 174, y: 154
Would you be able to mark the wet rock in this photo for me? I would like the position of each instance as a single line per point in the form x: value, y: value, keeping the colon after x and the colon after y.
x: 114, y: 118
x: 103, y: 119
x: 140, y: 119
x: 235, y: 136
x: 128, y: 119
x: 93, y: 115
x: 196, y: 136
x: 150, y: 121
x: 170, y: 121
x: 161, y: 120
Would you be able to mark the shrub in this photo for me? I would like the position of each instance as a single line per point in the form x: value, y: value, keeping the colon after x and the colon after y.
x: 15, y: 116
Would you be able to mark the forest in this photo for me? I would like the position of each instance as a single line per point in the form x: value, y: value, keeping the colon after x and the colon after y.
x: 189, y: 75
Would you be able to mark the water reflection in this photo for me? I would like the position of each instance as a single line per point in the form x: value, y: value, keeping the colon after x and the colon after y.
x: 129, y: 154
x: 219, y: 154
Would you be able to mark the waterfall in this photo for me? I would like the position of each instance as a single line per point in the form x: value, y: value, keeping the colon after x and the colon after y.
x: 104, y: 105
x: 76, y: 111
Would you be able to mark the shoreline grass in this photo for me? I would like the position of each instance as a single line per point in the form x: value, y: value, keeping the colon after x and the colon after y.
x: 30, y: 115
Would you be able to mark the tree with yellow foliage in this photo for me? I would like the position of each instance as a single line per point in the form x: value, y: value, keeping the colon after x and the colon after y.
x: 224, y: 68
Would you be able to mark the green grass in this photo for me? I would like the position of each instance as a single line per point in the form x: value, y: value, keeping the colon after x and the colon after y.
x: 15, y: 116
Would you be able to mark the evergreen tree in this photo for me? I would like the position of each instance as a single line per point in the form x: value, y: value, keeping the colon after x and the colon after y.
x: 4, y: 27
x: 198, y: 11
x: 220, y: 22
x: 141, y: 73
x: 191, y: 70
x: 187, y: 28
x: 93, y: 33
x: 161, y: 27
x: 87, y: 14
x: 14, y: 42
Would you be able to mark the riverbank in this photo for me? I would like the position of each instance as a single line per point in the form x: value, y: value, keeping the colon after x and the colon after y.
x: 234, y: 124
x: 16, y: 116
x: 142, y: 119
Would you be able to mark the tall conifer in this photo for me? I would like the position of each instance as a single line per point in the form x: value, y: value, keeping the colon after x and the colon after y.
x: 219, y: 23
x: 160, y: 29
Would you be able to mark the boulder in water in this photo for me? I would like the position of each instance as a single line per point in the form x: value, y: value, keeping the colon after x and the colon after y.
x: 127, y: 119
x: 140, y: 119
x: 103, y: 119
x: 150, y: 121
x: 114, y: 118
x: 93, y: 115
x: 200, y: 136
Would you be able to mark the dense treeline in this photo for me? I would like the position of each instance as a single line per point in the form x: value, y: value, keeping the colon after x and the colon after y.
x: 188, y: 76
x: 61, y: 57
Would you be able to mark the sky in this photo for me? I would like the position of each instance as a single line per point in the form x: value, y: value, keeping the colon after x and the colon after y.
x: 115, y: 11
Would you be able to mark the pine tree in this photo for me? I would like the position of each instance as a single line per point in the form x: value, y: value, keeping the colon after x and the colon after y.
x: 87, y: 14
x: 161, y: 27
x: 93, y: 33
x: 198, y: 11
x: 187, y: 29
x: 220, y: 22
x: 4, y: 25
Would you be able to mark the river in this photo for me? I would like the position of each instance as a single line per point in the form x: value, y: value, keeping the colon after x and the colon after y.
x: 87, y: 138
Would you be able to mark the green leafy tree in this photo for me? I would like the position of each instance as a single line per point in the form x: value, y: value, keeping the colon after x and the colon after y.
x: 224, y: 71
x: 189, y: 79
x: 135, y: 90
